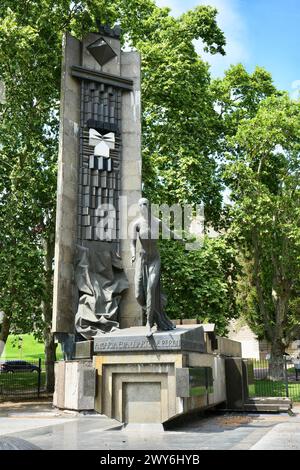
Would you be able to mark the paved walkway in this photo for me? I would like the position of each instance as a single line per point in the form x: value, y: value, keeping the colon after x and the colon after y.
x: 48, y: 428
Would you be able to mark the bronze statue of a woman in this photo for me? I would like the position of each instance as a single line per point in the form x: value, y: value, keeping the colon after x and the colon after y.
x: 147, y: 274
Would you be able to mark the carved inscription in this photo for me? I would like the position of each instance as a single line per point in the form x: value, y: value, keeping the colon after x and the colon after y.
x: 113, y: 344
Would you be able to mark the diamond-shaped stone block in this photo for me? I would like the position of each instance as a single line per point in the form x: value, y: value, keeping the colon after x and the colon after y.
x: 101, y: 51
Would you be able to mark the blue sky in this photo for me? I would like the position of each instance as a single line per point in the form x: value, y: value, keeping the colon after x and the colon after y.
x: 258, y: 32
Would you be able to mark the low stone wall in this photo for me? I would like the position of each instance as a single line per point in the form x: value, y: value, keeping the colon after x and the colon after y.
x: 228, y: 347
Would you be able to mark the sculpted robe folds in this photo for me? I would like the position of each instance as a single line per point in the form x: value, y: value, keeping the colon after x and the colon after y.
x: 100, y: 280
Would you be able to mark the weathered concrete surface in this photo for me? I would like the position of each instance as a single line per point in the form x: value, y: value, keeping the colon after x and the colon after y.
x: 131, y: 178
x: 284, y: 436
x: 75, y: 387
x: 142, y: 401
x: 64, y: 297
x: 113, y: 66
x: 154, y: 371
x: 59, y: 392
x: 189, y: 338
x: 227, y: 347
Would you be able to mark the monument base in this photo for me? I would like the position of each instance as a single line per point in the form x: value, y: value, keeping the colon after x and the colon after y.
x: 74, y: 385
x: 152, y: 380
x: 139, y: 380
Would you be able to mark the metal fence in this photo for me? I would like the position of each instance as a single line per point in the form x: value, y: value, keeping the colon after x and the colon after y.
x: 274, y: 378
x: 22, y: 379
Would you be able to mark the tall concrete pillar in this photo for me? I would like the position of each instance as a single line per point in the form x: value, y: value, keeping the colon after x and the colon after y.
x: 64, y: 296
x: 131, y: 176
x: 99, y: 165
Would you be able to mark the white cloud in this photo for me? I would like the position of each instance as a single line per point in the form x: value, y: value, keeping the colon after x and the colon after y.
x: 295, y: 94
x: 232, y: 24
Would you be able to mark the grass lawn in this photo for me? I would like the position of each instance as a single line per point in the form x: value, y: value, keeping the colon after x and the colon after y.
x: 17, y: 382
x: 268, y: 388
x: 25, y: 348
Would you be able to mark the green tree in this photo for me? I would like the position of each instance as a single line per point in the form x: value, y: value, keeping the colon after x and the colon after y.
x: 28, y: 137
x: 237, y: 97
x: 179, y: 121
x: 262, y: 172
x: 200, y: 284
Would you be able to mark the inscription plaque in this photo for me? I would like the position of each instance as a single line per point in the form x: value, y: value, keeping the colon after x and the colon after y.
x: 134, y: 339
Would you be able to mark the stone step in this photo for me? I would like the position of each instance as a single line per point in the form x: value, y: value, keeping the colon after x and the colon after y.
x: 261, y: 407
x: 282, y: 401
x: 275, y: 407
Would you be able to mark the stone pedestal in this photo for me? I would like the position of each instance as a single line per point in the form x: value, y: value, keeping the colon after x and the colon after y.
x: 139, y: 380
x: 152, y: 380
x: 74, y: 385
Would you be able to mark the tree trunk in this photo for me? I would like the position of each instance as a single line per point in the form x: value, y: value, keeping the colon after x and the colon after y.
x: 259, y: 289
x: 281, y: 301
x: 276, y: 366
x: 4, y: 332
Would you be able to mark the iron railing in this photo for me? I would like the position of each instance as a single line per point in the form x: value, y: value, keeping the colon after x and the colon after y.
x: 274, y: 378
x: 22, y: 378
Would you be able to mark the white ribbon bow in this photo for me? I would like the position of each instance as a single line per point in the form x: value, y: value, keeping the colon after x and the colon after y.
x: 102, y: 143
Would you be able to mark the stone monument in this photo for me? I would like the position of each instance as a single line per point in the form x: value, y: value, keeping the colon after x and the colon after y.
x: 112, y: 363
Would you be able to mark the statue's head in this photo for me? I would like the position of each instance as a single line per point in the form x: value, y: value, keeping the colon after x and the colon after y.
x: 144, y: 206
